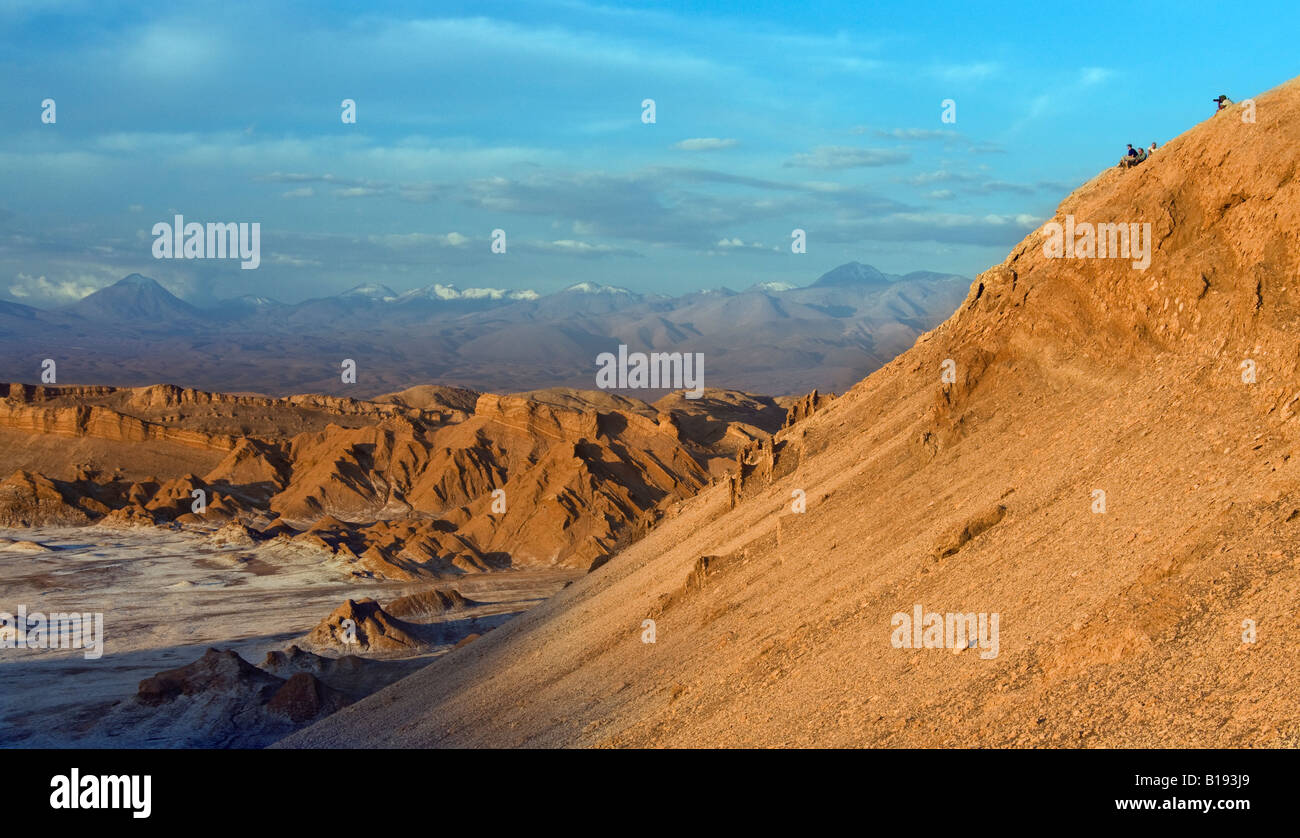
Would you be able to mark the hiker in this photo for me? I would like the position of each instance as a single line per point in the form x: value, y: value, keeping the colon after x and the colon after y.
x: 1132, y: 157
x: 1223, y: 101
x: 1151, y: 150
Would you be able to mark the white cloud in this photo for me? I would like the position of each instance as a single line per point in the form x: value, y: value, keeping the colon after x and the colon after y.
x: 172, y: 50
x: 705, y: 144
x: 293, y: 261
x: 913, y: 134
x: 847, y: 157
x: 970, y: 72
x: 452, y: 239
x: 579, y: 248
x: 1094, y: 75
x: 358, y: 192
x: 40, y: 289
x: 732, y: 243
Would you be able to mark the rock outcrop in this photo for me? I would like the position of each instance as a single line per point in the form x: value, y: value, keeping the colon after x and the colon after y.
x: 426, y: 484
x: 221, y: 700
x: 364, y: 626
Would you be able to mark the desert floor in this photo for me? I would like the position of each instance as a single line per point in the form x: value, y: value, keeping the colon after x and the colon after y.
x: 168, y: 596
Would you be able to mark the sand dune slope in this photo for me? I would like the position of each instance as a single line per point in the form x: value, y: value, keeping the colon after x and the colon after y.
x: 1122, y: 627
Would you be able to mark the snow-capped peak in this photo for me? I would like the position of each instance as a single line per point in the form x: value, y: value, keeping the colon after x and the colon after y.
x: 774, y: 287
x: 438, y: 291
x: 596, y: 288
x: 371, y: 291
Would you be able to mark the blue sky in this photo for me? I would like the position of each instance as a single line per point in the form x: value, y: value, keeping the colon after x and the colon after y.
x: 526, y: 116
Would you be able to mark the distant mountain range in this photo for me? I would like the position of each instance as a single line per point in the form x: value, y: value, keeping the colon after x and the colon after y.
x: 772, y: 338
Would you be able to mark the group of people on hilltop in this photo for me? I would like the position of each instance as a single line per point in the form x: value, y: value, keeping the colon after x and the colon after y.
x: 1135, y: 156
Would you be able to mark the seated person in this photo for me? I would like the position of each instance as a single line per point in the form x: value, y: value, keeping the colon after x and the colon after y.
x: 1132, y: 157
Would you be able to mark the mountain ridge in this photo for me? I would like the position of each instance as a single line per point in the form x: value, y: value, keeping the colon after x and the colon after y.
x: 786, y: 342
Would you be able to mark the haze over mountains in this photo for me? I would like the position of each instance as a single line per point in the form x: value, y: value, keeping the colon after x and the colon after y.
x: 772, y: 338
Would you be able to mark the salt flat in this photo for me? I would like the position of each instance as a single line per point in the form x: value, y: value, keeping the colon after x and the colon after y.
x: 166, y: 596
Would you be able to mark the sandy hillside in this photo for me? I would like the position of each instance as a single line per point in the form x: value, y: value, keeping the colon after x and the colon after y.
x: 1117, y: 628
